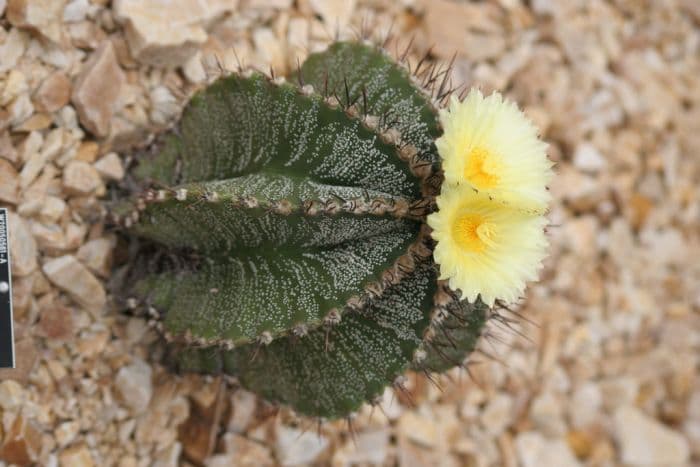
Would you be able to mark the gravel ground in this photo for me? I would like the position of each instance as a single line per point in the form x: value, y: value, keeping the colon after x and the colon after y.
x: 603, y: 373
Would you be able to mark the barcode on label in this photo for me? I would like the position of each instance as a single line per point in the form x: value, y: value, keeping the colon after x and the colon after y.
x: 7, y: 354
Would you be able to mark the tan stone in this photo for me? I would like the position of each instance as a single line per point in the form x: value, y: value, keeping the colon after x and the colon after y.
x: 7, y: 149
x: 87, y: 152
x: 23, y: 249
x: 644, y: 440
x: 97, y: 255
x: 38, y: 121
x: 12, y: 49
x: 167, y: 33
x: 81, y: 178
x: 66, y: 432
x: 40, y: 16
x: 335, y: 13
x: 56, y: 322
x: 12, y: 395
x: 52, y: 209
x: 22, y: 443
x: 110, y: 167
x: 76, y: 456
x: 53, y: 93
x: 96, y: 91
x: 9, y: 183
x: 70, y: 275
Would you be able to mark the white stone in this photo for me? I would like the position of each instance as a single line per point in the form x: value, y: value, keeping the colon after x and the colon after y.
x: 269, y: 48
x: 194, y: 69
x: 37, y: 160
x: 295, y: 447
x: 13, y: 48
x: 367, y: 448
x: 135, y: 386
x: 164, y: 106
x: 70, y: 275
x: 243, y: 405
x: 546, y: 414
x: 588, y: 159
x: 497, y: 414
x: 75, y: 11
x: 585, y: 405
x: 645, y: 441
x: 534, y: 450
x: 110, y: 167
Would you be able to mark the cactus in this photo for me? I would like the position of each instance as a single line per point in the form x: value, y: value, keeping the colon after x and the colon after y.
x: 294, y: 213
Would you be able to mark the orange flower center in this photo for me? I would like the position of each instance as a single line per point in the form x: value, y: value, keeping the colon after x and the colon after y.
x: 482, y: 169
x: 472, y: 233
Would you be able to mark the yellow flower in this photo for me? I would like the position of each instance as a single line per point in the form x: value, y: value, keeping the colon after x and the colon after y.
x: 484, y: 247
x: 491, y: 146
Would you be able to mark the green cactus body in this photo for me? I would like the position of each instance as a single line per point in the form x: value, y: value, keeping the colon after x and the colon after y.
x: 300, y: 213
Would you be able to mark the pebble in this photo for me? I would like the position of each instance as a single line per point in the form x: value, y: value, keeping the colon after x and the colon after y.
x: 367, y: 448
x: 134, y: 383
x: 418, y: 429
x: 297, y: 447
x: 81, y: 178
x: 76, y: 11
x: 56, y: 322
x: 335, y: 13
x: 645, y: 441
x: 243, y: 405
x: 588, y: 159
x: 585, y: 405
x: 52, y: 209
x: 9, y: 183
x: 23, y: 247
x: 22, y: 443
x: 534, y: 450
x: 66, y: 433
x: 39, y: 16
x: 497, y: 414
x: 169, y: 456
x: 546, y: 414
x: 167, y: 37
x: 269, y: 48
x: 164, y: 106
x: 242, y: 451
x: 110, y: 167
x: 96, y: 98
x: 96, y: 254
x: 76, y: 456
x: 68, y: 274
x: 13, y: 48
x: 11, y: 395
x: 53, y: 93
